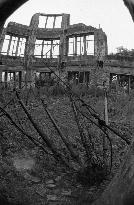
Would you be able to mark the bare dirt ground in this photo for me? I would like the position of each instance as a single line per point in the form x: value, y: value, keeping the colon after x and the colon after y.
x: 29, y: 176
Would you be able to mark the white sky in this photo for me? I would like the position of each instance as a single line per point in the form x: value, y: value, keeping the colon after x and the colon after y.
x: 112, y: 15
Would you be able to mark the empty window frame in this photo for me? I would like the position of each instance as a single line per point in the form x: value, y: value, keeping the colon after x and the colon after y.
x: 42, y: 21
x: 71, y: 47
x: 20, y: 50
x: 47, y: 49
x: 13, y: 46
x: 50, y: 21
x: 76, y: 45
x: 6, y: 44
x: 83, y: 77
x: 38, y: 48
x: 58, y: 21
x: 90, y: 44
x: 81, y: 45
x: 10, y: 76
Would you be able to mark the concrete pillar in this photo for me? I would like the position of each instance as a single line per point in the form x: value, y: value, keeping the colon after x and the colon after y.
x: 14, y: 79
x: 110, y: 80
x: 80, y: 45
x: 10, y: 40
x: 42, y: 49
x: 0, y: 77
x: 5, y: 78
x: 30, y: 78
x: 63, y: 40
x: 118, y: 80
x: 84, y: 77
x: 65, y: 21
x: 85, y: 51
x: 100, y: 44
x: 129, y: 84
x: 1, y: 27
x: 51, y: 55
x: 75, y: 49
x: 20, y: 79
x: 46, y: 21
x: 30, y: 46
x: 17, y: 46
x: 62, y: 48
x: 2, y: 37
x: 54, y: 22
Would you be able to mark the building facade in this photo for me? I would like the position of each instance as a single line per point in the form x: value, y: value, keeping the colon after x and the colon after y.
x: 50, y: 41
x: 51, y: 45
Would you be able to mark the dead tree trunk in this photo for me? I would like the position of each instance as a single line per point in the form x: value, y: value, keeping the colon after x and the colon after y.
x: 121, y: 189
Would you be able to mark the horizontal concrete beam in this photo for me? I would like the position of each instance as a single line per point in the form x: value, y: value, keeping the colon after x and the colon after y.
x: 120, y: 70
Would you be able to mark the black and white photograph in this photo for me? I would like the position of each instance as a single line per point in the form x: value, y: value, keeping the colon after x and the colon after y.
x: 66, y: 102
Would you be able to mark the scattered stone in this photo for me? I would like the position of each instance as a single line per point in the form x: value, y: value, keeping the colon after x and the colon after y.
x: 51, y: 197
x: 51, y: 181
x: 58, y: 178
x: 31, y: 178
x: 51, y: 185
x: 66, y: 193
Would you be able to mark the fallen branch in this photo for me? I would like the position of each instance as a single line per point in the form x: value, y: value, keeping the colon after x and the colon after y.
x: 34, y: 141
x: 65, y: 140
x: 43, y: 135
x: 82, y: 135
x: 104, y: 131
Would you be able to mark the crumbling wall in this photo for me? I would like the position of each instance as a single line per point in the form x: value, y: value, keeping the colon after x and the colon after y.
x: 101, y: 49
x: 33, y: 32
x: 17, y: 29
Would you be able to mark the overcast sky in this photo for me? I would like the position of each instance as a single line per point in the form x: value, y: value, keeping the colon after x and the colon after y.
x: 112, y: 16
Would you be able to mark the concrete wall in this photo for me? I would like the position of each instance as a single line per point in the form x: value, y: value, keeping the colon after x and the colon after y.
x: 64, y: 63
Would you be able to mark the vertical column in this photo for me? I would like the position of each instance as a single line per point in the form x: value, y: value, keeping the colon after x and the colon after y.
x: 63, y: 39
x: 75, y: 50
x: 10, y: 40
x: 42, y: 49
x: 20, y: 79
x: 1, y: 27
x: 85, y: 50
x: 14, y: 79
x: 46, y: 22
x: 118, y: 82
x: 2, y: 37
x: 54, y: 21
x: 96, y: 45
x: 129, y: 84
x: 105, y: 146
x: 80, y: 46
x: 87, y: 77
x: 110, y: 80
x: 23, y: 73
x: 0, y: 77
x: 51, y: 53
x: 65, y: 21
x: 100, y: 44
x: 5, y: 78
x: 30, y: 46
x: 17, y: 46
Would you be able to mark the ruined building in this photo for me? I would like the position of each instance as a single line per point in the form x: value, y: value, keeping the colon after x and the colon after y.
x: 50, y: 44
